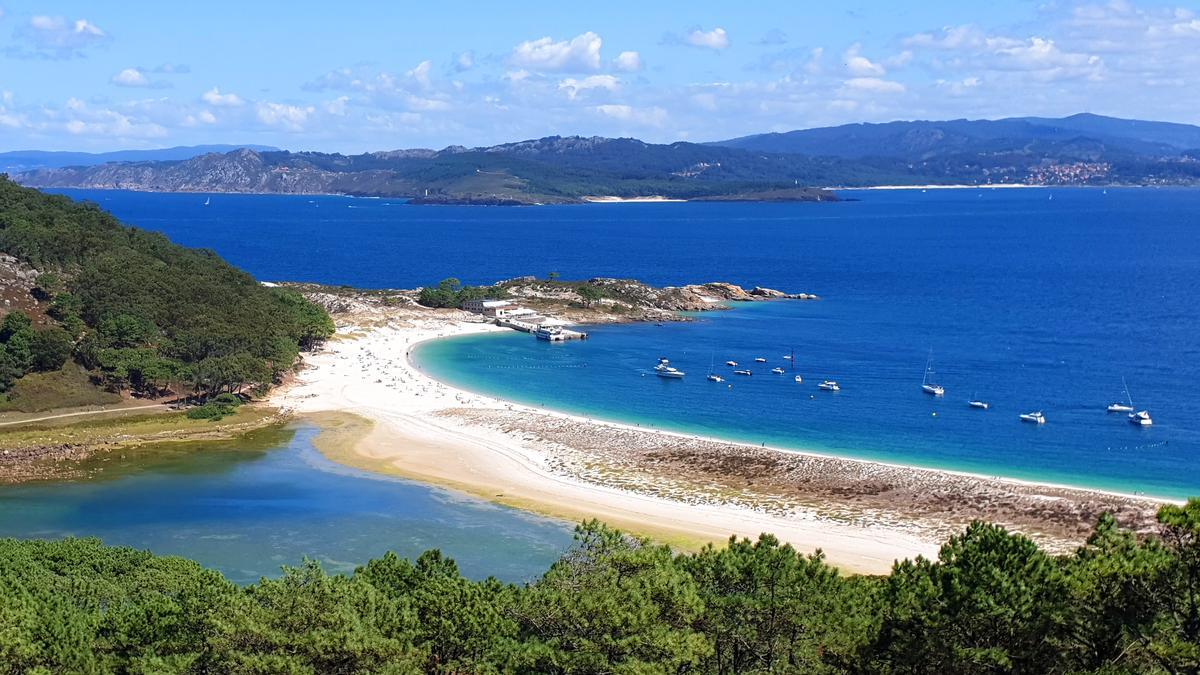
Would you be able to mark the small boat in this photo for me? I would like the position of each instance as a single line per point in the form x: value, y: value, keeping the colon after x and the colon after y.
x: 788, y: 357
x: 713, y: 377
x: 829, y: 385
x: 976, y: 403
x: 550, y: 333
x: 669, y: 372
x: 742, y: 372
x: 777, y: 371
x: 208, y: 201
x: 927, y: 386
x: 760, y: 359
x: 731, y: 363
x: 1033, y: 417
x: 798, y: 379
x: 1122, y: 407
x: 1141, y: 418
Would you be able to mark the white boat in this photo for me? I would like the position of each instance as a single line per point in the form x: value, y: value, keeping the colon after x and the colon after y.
x: 829, y: 385
x: 788, y: 357
x: 731, y: 363
x: 669, y: 372
x: 713, y: 377
x: 976, y: 403
x: 550, y: 333
x: 1141, y: 418
x: 777, y: 371
x: 208, y: 201
x: 798, y: 379
x: 927, y: 386
x: 742, y: 372
x: 1122, y: 407
x: 1033, y: 417
x: 760, y: 359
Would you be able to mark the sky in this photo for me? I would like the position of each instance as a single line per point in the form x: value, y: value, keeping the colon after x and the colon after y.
x: 364, y: 76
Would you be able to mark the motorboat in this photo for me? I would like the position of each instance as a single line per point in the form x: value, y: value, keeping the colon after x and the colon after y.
x: 777, y: 371
x: 829, y: 385
x: 976, y: 403
x: 743, y: 372
x: 798, y: 379
x: 1141, y: 418
x: 760, y: 359
x: 713, y: 377
x: 1033, y: 417
x: 732, y: 364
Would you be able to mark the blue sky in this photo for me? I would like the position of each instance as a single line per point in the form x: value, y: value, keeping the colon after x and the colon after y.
x: 357, y: 76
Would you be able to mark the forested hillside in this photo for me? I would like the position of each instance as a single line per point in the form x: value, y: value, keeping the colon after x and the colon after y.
x: 992, y: 602
x: 138, y: 310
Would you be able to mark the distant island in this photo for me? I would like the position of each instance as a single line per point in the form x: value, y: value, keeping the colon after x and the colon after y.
x: 794, y: 166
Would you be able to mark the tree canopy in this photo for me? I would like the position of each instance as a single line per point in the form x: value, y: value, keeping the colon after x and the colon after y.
x: 991, y: 602
x: 143, y: 311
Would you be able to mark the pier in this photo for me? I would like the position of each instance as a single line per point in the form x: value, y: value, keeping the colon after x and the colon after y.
x: 551, y: 330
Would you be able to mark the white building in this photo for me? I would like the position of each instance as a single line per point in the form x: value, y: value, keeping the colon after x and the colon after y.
x: 489, y: 307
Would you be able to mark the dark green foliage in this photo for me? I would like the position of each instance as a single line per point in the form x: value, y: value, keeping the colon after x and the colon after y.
x: 51, y: 348
x: 991, y: 603
x: 149, y: 312
x: 451, y: 293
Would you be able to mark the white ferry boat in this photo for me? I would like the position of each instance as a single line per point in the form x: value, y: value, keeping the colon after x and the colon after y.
x: 549, y: 333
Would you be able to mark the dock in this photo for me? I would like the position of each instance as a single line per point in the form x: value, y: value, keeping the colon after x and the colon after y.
x: 551, y: 330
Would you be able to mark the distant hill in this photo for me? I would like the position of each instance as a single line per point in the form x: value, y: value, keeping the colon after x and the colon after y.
x: 1082, y: 134
x: 26, y: 160
x: 1077, y: 150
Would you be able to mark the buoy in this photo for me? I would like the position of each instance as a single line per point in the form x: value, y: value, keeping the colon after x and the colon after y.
x: 934, y: 414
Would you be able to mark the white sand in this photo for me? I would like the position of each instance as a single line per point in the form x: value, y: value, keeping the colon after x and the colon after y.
x: 368, y: 373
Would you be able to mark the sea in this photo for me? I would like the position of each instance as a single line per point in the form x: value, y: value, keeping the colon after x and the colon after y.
x: 1050, y: 299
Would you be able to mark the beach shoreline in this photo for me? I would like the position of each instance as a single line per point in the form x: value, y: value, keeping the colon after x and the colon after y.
x: 574, y: 467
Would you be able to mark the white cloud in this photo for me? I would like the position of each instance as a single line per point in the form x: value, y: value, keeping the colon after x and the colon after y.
x: 653, y: 116
x: 58, y: 37
x: 464, y: 61
x: 860, y: 66
x: 130, y: 77
x: 420, y: 74
x: 872, y: 85
x: 287, y: 116
x: 716, y: 38
x: 628, y: 61
x: 79, y: 119
x: 136, y: 78
x: 214, y: 97
x: 580, y: 54
x: 574, y: 87
x: 337, y: 106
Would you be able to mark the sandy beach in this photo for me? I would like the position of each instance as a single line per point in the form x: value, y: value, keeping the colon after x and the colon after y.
x: 383, y: 414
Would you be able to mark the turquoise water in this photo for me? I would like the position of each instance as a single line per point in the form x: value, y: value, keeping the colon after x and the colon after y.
x: 246, y: 508
x: 880, y: 414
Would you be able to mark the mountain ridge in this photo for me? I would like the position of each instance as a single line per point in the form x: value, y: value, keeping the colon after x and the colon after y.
x: 1078, y: 150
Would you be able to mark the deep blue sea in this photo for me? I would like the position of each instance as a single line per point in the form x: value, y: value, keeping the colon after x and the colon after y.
x: 1030, y: 299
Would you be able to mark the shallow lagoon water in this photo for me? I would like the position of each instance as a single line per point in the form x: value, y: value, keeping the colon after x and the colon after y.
x: 250, y: 506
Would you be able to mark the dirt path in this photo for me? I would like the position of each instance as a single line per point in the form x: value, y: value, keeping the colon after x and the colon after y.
x: 83, y: 413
